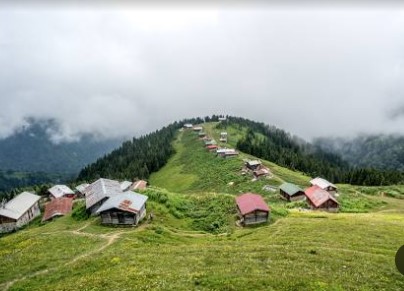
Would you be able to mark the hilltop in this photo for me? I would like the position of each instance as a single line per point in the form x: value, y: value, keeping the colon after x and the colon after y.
x: 193, y: 243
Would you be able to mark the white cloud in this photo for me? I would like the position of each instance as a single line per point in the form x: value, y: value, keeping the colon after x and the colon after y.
x: 124, y: 72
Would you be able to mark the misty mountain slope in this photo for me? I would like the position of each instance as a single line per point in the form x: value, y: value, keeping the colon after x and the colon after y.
x: 376, y: 151
x: 31, y: 150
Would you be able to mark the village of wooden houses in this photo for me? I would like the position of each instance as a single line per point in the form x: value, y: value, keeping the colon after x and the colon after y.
x: 119, y: 203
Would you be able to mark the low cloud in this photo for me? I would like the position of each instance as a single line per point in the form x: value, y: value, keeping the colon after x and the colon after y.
x: 123, y: 72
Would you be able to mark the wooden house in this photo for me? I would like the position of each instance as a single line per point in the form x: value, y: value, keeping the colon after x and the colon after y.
x: 325, y: 185
x: 99, y: 191
x: 291, y: 192
x: 57, y: 207
x: 138, y: 185
x: 80, y: 189
x: 211, y: 147
x: 261, y: 172
x: 253, y: 165
x: 19, y: 211
x: 320, y: 199
x: 188, y: 126
x: 210, y: 142
x: 252, y: 209
x: 201, y: 134
x: 128, y: 208
x: 197, y: 128
x: 230, y: 154
x: 222, y: 118
x: 59, y: 191
x: 223, y: 136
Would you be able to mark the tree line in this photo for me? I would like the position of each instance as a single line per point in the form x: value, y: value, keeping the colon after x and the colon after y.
x: 276, y: 145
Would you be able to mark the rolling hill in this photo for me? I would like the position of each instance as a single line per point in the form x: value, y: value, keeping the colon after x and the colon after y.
x: 193, y: 243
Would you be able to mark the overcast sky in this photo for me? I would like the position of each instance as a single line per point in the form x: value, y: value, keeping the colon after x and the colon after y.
x: 125, y: 71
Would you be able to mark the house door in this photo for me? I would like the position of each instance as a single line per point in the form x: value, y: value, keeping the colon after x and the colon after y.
x: 121, y: 218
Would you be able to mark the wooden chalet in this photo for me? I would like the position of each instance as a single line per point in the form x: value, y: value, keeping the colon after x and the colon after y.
x: 261, y: 172
x: 138, y: 185
x: 319, y: 199
x: 59, y: 191
x: 325, y: 185
x: 210, y: 142
x: 19, y: 211
x: 201, y: 134
x: 212, y: 147
x: 253, y: 165
x: 80, y: 189
x: 222, y: 118
x: 188, y: 126
x: 99, y: 191
x: 57, y: 207
x: 230, y: 154
x: 252, y: 209
x: 291, y: 192
x: 223, y: 136
x: 128, y: 208
x: 197, y: 128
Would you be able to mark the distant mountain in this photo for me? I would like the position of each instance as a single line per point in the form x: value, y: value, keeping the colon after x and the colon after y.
x: 31, y: 150
x: 385, y: 152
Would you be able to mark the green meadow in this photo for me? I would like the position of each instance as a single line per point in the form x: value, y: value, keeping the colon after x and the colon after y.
x: 193, y: 242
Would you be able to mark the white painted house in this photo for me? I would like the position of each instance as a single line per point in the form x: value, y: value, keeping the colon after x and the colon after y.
x: 19, y: 211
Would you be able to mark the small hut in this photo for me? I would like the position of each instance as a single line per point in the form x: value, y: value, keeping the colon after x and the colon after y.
x: 138, y: 185
x: 59, y: 191
x: 223, y: 136
x: 325, y: 185
x: 319, y: 199
x: 80, y: 189
x: 253, y: 165
x: 291, y: 192
x: 252, y: 209
x: 128, y: 208
x: 230, y: 154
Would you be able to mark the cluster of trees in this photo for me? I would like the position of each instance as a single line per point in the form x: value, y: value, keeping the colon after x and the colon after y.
x: 39, y: 189
x: 137, y: 158
x: 278, y: 146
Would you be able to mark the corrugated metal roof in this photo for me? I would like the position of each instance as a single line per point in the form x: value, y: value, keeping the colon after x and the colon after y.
x: 82, y: 187
x: 57, y: 207
x: 254, y: 163
x: 101, y: 189
x: 60, y: 190
x: 250, y: 202
x: 322, y: 183
x: 125, y: 185
x: 318, y: 196
x: 17, y: 206
x: 290, y: 189
x: 127, y: 201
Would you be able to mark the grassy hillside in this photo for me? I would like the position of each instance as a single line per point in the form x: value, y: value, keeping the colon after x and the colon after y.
x: 193, y: 243
x: 304, y: 251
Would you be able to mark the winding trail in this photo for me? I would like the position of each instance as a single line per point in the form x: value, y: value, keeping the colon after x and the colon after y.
x: 110, y: 239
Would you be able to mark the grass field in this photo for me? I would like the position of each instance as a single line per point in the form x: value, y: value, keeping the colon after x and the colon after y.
x: 304, y: 251
x: 193, y: 243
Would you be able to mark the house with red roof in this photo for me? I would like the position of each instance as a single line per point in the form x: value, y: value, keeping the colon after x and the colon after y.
x: 252, y: 209
x: 318, y: 198
x: 57, y: 207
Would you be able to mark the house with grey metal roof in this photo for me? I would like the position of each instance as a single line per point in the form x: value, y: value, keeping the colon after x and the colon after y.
x: 99, y: 191
x: 19, y: 211
x: 125, y: 185
x: 325, y: 185
x: 127, y: 208
x: 59, y: 191
x: 291, y: 192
